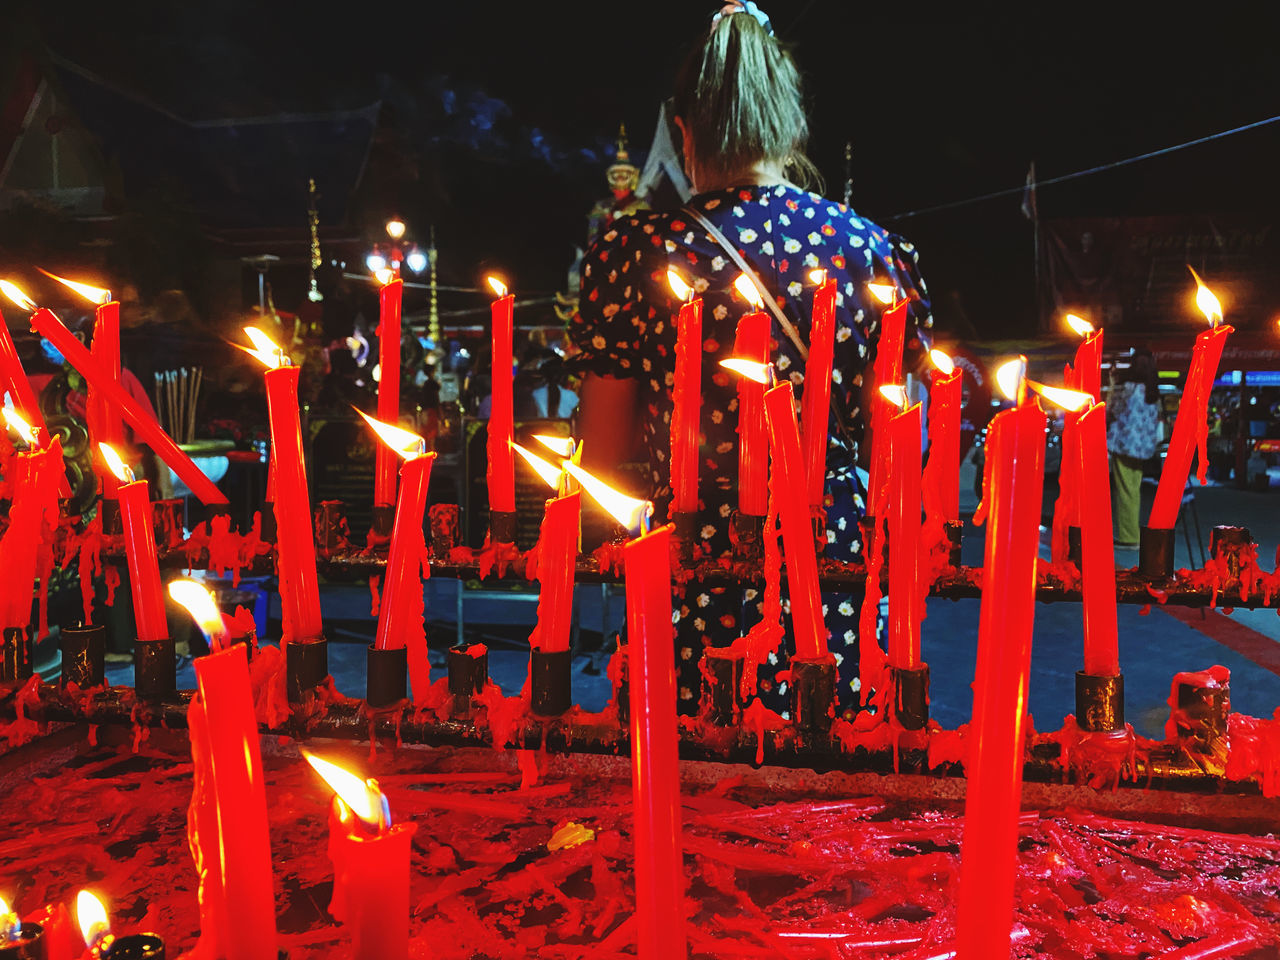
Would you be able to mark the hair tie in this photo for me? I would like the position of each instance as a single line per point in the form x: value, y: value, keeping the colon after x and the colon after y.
x: 748, y: 7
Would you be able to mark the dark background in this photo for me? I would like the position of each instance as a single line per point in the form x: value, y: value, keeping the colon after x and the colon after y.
x: 498, y: 119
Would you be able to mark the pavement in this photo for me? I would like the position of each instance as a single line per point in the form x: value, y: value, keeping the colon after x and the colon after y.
x: 1155, y: 642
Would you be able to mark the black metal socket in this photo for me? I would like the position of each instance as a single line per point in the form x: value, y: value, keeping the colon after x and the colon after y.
x: 386, y: 679
x: 551, y: 690
x: 722, y: 686
x: 955, y: 537
x: 1155, y: 553
x: 1099, y: 702
x: 268, y: 530
x: 1201, y: 716
x: 155, y: 671
x: 468, y: 666
x: 28, y: 945
x: 1075, y: 551
x: 622, y: 689
x: 15, y: 655
x: 136, y: 946
x: 813, y: 693
x: 445, y: 529
x: 502, y: 526
x: 109, y: 513
x: 384, y: 520
x: 911, y: 697
x: 686, y: 525
x: 1230, y: 545
x: 746, y: 533
x: 306, y: 666
x: 84, y: 652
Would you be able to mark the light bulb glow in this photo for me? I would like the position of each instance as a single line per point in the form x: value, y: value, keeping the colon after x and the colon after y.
x: 628, y: 511
x: 549, y: 474
x: 118, y: 466
x: 404, y: 442
x: 1206, y: 301
x: 14, y: 293
x: 944, y: 363
x: 375, y: 262
x: 759, y: 372
x: 747, y: 290
x: 497, y: 285
x: 681, y: 289
x: 416, y: 260
x: 356, y: 793
x: 395, y: 228
x: 91, y: 293
x: 92, y: 917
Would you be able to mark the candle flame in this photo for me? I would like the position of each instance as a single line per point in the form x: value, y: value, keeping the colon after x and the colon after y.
x: 895, y: 393
x: 10, y: 925
x: 628, y: 511
x: 1206, y: 301
x: 14, y: 293
x: 759, y: 372
x: 264, y: 348
x: 1067, y: 399
x: 404, y: 442
x: 92, y: 917
x: 545, y: 470
x: 681, y: 289
x: 1079, y: 326
x: 91, y: 293
x: 560, y: 446
x: 1009, y: 377
x: 498, y: 286
x: 747, y: 290
x: 886, y: 293
x: 384, y: 275
x: 357, y: 794
x: 18, y: 424
x: 118, y: 466
x: 199, y: 603
x: 818, y: 276
x: 943, y: 362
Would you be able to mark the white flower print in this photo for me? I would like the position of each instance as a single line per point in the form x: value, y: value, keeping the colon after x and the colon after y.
x: 843, y: 334
x: 841, y: 523
x: 670, y: 245
x: 750, y: 594
x: 845, y: 608
x: 720, y: 312
x: 783, y: 361
x: 815, y: 239
x: 850, y: 638
x: 839, y: 659
x: 855, y: 241
x: 837, y: 376
x: 808, y: 213
x: 810, y: 259
x: 855, y: 684
x: 773, y: 658
x: 860, y: 315
x: 703, y: 600
x: 739, y: 212
x: 699, y: 624
x: 708, y: 532
x: 725, y: 510
x: 718, y: 263
x: 791, y: 245
x: 795, y: 288
x: 717, y: 416
x: 782, y: 688
x: 796, y: 377
x: 831, y: 536
x: 746, y: 235
x: 767, y: 248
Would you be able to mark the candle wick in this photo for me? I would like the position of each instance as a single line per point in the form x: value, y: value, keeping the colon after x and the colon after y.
x: 646, y: 517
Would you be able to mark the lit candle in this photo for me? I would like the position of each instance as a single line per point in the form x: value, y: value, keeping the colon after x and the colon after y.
x: 228, y: 815
x: 686, y: 398
x: 942, y: 473
x: 299, y: 586
x: 906, y: 600
x: 1085, y: 375
x: 793, y: 510
x: 1011, y: 511
x: 655, y: 767
x: 557, y: 559
x: 501, y: 473
x: 370, y: 865
x: 1087, y: 368
x: 752, y: 343
x: 33, y: 516
x: 144, y: 425
x: 18, y: 940
x: 887, y: 369
x: 140, y: 549
x: 400, y: 617
x: 385, y: 459
x: 13, y: 378
x: 1097, y: 549
x: 816, y: 401
x: 1190, y: 427
x: 101, y: 944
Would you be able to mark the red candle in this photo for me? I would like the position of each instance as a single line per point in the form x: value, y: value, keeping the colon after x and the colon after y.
x: 942, y: 473
x: 229, y: 765
x: 144, y: 425
x: 793, y: 514
x: 13, y: 379
x: 1190, y: 427
x: 557, y: 556
x: 385, y: 459
x: 501, y: 471
x: 140, y: 549
x: 33, y: 511
x: 1015, y: 477
x: 752, y: 343
x: 906, y: 600
x: 686, y: 399
x: 1084, y: 375
x: 816, y: 401
x: 106, y: 350
x: 887, y: 370
x: 370, y: 865
x: 1101, y: 653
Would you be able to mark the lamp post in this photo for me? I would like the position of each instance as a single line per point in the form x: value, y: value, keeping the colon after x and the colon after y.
x: 390, y: 256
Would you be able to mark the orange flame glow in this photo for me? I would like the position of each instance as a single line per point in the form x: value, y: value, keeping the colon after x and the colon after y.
x: 18, y: 424
x: 199, y: 603
x: 759, y: 372
x: 92, y: 917
x: 91, y: 293
x: 628, y: 511
x: 818, y: 276
x: 498, y: 286
x: 404, y: 442
x: 118, y: 466
x: 1206, y: 301
x: 1079, y: 326
x: 747, y: 290
x: 1010, y: 375
x: 681, y: 289
x: 1067, y: 399
x: 549, y: 474
x: 886, y: 293
x: 264, y: 348
x: 560, y: 446
x: 943, y: 362
x: 895, y: 393
x: 384, y: 275
x: 14, y: 293
x: 357, y: 794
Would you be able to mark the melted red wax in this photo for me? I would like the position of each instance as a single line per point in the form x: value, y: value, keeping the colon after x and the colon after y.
x: 1098, y: 760
x: 86, y: 548
x: 496, y: 557
x: 1255, y: 751
x: 765, y: 636
x: 758, y: 718
x: 22, y: 729
x: 1212, y: 678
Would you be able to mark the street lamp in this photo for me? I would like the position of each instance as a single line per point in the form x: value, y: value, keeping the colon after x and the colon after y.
x: 390, y: 256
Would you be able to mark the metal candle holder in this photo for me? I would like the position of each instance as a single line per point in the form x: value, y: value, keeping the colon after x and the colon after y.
x: 721, y: 686
x: 549, y: 682
x: 468, y: 673
x: 109, y: 514
x: 306, y: 666
x: 386, y: 676
x: 15, y: 655
x: 28, y: 945
x: 955, y: 537
x: 1075, y: 549
x: 911, y: 697
x: 1230, y: 546
x: 813, y: 693
x: 135, y: 946
x: 502, y: 526
x: 155, y: 667
x: 1155, y: 553
x: 1099, y: 702
x: 84, y: 653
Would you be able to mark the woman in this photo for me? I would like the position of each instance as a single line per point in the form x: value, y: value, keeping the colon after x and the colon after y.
x: 738, y: 107
x: 1134, y: 407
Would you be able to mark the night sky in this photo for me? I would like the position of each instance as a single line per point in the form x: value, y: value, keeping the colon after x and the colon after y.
x: 499, y: 118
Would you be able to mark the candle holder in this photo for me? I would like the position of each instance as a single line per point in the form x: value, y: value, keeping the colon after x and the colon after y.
x: 386, y: 678
x: 1155, y: 553
x: 549, y: 682
x: 911, y: 697
x: 468, y: 673
x: 155, y: 667
x: 1230, y: 546
x: 306, y: 666
x: 332, y: 531
x: 1099, y: 702
x: 15, y: 655
x: 84, y: 651
x: 1075, y: 551
x: 268, y: 531
x: 27, y: 945
x: 721, y: 686
x: 813, y: 693
x: 502, y: 526
x: 1200, y: 718
x: 444, y: 521
x: 955, y: 537
x: 384, y: 520
x: 166, y: 520
x: 136, y: 946
x: 109, y: 514
x: 746, y: 533
x: 871, y: 537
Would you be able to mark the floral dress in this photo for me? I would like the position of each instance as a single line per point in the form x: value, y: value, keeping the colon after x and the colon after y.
x: 625, y: 329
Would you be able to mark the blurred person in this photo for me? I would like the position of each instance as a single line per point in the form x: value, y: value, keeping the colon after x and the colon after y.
x: 1132, y: 437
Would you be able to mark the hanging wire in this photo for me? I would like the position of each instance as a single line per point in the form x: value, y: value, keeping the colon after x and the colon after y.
x: 1021, y: 188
